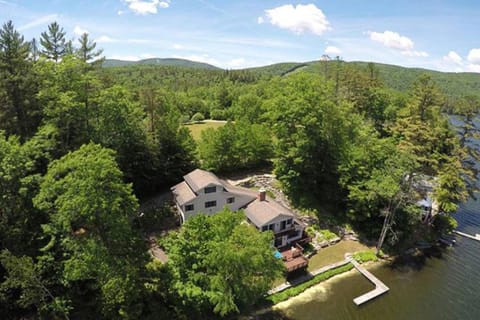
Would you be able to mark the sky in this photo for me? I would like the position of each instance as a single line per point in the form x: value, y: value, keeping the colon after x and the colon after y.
x: 433, y: 34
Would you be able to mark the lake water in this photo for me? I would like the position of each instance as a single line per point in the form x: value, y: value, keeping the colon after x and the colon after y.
x: 445, y: 285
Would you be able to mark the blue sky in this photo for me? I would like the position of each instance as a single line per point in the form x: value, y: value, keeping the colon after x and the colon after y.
x: 434, y: 34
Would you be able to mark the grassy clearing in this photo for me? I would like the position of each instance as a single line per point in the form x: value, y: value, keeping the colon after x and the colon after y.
x: 364, y: 256
x: 197, y: 128
x: 334, y: 253
x: 294, y: 291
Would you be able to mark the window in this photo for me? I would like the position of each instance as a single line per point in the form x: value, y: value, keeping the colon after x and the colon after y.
x: 283, y: 225
x: 271, y: 226
x: 289, y: 221
x: 231, y: 200
x: 210, y: 204
x: 189, y: 207
x: 278, y: 242
x: 264, y: 228
x: 210, y: 189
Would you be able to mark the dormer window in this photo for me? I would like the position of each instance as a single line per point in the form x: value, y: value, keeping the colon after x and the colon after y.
x: 231, y: 200
x: 210, y: 189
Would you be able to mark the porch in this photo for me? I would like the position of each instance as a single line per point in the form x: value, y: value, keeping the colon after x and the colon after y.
x: 293, y: 258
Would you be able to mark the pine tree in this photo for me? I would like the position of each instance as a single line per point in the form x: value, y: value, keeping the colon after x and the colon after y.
x: 87, y: 52
x: 53, y: 42
x: 18, y: 108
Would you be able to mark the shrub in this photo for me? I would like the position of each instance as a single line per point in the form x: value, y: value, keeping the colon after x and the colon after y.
x: 217, y: 114
x: 294, y: 291
x: 364, y: 256
x: 198, y: 117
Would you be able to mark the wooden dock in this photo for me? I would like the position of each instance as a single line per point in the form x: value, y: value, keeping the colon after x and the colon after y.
x: 466, y: 235
x: 380, y: 287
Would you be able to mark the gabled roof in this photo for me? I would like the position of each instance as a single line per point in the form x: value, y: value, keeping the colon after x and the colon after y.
x: 199, y: 179
x: 183, y: 193
x: 262, y: 212
x: 252, y: 195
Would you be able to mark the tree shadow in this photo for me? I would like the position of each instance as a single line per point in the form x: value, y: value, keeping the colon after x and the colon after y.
x: 416, y: 260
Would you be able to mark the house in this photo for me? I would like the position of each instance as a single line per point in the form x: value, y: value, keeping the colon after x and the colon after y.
x: 424, y: 185
x: 267, y: 214
x: 202, y: 192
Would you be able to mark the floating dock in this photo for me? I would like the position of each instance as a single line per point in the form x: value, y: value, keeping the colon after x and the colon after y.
x: 380, y: 287
x: 466, y: 235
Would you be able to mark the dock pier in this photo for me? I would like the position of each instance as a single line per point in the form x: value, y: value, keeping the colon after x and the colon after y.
x: 380, y: 287
x: 466, y: 235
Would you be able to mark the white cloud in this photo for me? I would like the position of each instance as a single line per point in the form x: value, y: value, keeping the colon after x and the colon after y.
x: 334, y: 51
x: 120, y: 12
x: 453, y: 57
x: 236, y: 63
x: 105, y: 39
x: 126, y: 58
x: 147, y: 56
x: 473, y: 68
x: 164, y: 4
x: 413, y: 53
x: 177, y: 46
x: 78, y: 31
x: 147, y: 7
x: 39, y: 21
x: 474, y: 56
x: 299, y: 19
x: 260, y: 20
x: 394, y: 40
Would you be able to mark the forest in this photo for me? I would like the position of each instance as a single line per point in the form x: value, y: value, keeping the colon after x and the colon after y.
x: 81, y: 145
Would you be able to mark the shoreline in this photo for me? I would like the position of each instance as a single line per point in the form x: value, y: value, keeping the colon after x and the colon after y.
x: 322, y: 286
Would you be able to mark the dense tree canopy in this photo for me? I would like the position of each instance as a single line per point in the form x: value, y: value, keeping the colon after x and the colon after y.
x: 220, y: 264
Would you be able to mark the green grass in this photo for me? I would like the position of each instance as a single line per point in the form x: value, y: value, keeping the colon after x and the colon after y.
x: 334, y: 254
x: 294, y: 291
x: 364, y: 256
x: 197, y: 128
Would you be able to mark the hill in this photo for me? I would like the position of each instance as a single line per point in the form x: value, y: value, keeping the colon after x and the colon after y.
x: 399, y: 78
x: 395, y: 77
x: 160, y: 62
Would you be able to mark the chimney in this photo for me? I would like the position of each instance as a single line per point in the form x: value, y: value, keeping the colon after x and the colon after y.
x: 262, y: 194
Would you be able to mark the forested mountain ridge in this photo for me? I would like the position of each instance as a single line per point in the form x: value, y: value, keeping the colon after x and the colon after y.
x: 453, y: 84
x: 161, y: 62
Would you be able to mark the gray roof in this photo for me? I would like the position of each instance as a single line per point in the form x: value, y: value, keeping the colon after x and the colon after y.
x: 262, y: 212
x: 199, y: 179
x: 183, y: 193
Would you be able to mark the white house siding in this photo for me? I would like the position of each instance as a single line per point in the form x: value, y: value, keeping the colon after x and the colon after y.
x: 276, y: 230
x: 220, y: 196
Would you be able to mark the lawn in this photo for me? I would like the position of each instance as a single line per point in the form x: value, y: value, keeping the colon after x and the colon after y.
x: 334, y: 254
x: 197, y: 128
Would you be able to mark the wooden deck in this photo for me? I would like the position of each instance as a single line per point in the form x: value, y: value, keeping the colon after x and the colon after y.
x: 380, y: 287
x: 294, y: 259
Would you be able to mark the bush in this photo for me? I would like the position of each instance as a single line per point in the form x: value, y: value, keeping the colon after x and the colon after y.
x: 364, y: 256
x: 198, y: 117
x: 444, y: 224
x: 217, y: 114
x: 294, y: 291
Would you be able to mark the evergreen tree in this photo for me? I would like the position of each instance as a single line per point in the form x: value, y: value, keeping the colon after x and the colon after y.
x: 53, y: 42
x: 86, y: 51
x: 19, y: 111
